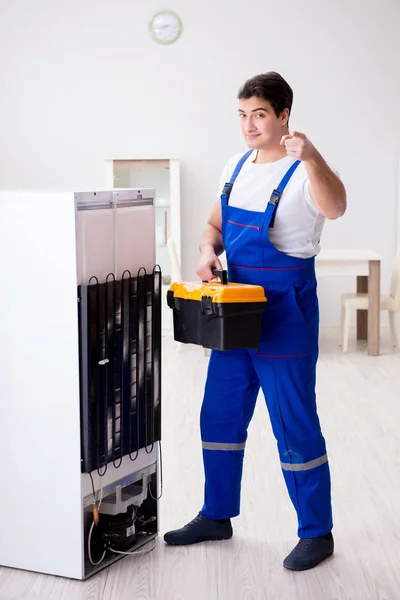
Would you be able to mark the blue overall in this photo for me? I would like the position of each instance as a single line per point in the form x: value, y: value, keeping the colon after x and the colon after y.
x: 284, y: 366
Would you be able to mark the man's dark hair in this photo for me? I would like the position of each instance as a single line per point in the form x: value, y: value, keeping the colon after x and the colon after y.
x: 270, y: 87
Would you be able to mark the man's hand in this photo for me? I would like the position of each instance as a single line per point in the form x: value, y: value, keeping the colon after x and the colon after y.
x: 208, y: 261
x: 325, y: 188
x: 299, y: 146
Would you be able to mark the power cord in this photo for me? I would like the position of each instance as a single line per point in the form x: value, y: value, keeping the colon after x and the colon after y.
x: 96, y: 509
x: 161, y: 478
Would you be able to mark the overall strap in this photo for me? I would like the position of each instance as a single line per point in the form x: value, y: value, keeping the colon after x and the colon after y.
x: 277, y: 193
x: 226, y: 192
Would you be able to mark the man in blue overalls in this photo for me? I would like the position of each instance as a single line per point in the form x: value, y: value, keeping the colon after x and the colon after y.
x: 269, y: 218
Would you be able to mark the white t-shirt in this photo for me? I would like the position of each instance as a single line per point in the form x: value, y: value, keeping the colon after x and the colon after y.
x: 298, y: 223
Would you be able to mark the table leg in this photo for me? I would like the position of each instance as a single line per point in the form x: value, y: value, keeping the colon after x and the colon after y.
x: 374, y: 293
x: 362, y: 315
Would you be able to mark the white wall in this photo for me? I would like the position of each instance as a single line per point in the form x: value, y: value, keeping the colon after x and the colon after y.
x: 82, y: 81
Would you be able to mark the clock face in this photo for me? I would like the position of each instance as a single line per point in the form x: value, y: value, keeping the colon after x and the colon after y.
x: 165, y: 27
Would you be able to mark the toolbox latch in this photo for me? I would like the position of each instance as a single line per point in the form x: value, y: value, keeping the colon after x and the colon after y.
x: 206, y: 305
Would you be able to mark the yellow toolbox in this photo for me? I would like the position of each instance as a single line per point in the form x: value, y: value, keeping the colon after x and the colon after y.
x: 217, y: 315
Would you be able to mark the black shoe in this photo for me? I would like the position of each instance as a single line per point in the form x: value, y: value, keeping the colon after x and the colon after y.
x: 200, y: 529
x: 309, y: 552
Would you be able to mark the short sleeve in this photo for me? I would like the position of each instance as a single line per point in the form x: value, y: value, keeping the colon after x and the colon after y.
x: 223, y: 179
x: 227, y: 172
x: 306, y: 192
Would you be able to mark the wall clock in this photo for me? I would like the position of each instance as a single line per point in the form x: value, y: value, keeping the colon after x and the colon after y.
x: 165, y: 27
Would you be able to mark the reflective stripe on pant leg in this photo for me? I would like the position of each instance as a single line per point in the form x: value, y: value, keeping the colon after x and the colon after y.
x: 223, y: 446
x: 229, y: 399
x: 289, y: 387
x: 311, y: 464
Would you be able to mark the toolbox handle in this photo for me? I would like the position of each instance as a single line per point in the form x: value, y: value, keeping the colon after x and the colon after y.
x: 222, y: 274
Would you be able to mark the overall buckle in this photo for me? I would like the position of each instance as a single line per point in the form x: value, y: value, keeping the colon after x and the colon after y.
x: 274, y: 200
x: 227, y: 190
x: 275, y: 197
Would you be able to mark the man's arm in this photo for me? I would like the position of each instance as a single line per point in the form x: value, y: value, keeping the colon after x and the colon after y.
x: 326, y: 190
x: 211, y: 245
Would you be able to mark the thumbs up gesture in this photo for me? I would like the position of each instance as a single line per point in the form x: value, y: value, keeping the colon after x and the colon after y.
x: 299, y: 146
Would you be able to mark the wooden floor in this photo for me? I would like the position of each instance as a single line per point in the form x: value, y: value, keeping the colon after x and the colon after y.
x: 359, y: 407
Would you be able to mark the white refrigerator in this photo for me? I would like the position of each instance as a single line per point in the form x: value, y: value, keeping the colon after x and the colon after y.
x: 80, y: 379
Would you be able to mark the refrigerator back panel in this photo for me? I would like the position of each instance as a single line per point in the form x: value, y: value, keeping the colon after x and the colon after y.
x: 119, y: 298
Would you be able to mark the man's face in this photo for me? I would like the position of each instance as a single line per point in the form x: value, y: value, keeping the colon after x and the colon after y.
x: 260, y: 126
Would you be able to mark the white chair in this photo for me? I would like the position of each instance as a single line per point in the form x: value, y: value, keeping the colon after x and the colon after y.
x: 391, y: 303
